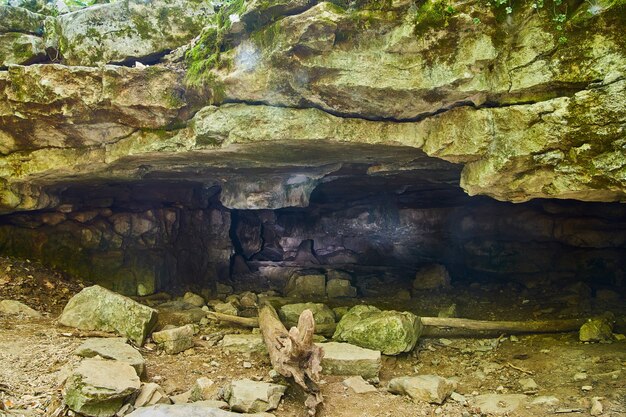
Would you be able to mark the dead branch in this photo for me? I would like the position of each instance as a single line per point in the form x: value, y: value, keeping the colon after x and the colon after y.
x: 326, y: 329
x: 543, y: 326
x: 293, y: 353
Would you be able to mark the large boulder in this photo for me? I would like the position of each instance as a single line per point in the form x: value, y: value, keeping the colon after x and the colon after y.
x: 96, y: 308
x: 390, y: 332
x: 114, y: 348
x: 99, y: 388
x: 129, y: 30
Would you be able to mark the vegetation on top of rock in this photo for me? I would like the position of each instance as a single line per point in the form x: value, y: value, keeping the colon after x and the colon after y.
x: 206, y: 53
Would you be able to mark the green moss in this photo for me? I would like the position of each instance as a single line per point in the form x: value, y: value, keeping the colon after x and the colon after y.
x: 144, y: 29
x: 206, y: 54
x: 432, y: 14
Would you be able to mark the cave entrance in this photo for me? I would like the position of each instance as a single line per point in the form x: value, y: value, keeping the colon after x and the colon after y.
x: 301, y: 221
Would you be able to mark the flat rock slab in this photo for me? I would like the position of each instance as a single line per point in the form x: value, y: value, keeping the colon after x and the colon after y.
x: 429, y: 388
x: 114, y: 348
x: 359, y: 385
x: 175, y: 340
x: 249, y: 396
x: 498, y: 404
x: 17, y: 308
x: 96, y: 308
x: 99, y: 387
x: 244, y: 343
x: 347, y: 359
x: 186, y: 410
x: 391, y: 332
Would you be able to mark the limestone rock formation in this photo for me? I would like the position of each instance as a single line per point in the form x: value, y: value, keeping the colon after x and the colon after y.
x: 255, y: 105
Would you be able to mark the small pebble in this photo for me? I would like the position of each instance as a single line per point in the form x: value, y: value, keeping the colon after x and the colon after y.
x: 247, y: 365
x: 580, y: 376
x: 586, y: 388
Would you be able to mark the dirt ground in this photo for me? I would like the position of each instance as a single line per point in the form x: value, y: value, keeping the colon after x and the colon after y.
x: 34, y: 351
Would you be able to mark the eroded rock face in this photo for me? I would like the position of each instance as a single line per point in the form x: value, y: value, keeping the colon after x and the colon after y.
x: 128, y: 30
x: 285, y: 98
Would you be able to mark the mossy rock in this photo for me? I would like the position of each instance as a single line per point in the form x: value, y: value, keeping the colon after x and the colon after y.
x: 391, y: 332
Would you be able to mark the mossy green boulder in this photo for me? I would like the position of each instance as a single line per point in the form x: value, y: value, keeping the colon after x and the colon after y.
x: 96, y: 308
x: 391, y: 332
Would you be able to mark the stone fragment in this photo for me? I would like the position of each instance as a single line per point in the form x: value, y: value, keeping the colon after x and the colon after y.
x: 290, y: 313
x: 252, y: 343
x: 114, y: 348
x: 580, y: 376
x: 249, y: 396
x: 498, y: 404
x: 431, y: 277
x: 182, y: 398
x: 337, y: 288
x: 459, y: 398
x: 179, y: 313
x: 347, y: 359
x: 302, y: 285
x: 429, y: 388
x: 226, y: 308
x: 358, y: 385
x: 596, y: 330
x: 390, y: 332
x: 175, y: 340
x: 193, y: 299
x: 99, y: 388
x: 198, y: 409
x: 96, y: 308
x: 248, y: 299
x: 202, y: 390
x: 596, y: 407
x: 528, y: 385
x: 14, y: 307
x: 150, y: 394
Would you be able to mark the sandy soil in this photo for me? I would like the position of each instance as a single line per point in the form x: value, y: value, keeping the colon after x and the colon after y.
x: 33, y: 353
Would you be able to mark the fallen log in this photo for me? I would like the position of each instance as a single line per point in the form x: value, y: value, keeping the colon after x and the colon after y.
x: 517, y: 327
x: 440, y: 326
x: 293, y: 353
x: 326, y: 329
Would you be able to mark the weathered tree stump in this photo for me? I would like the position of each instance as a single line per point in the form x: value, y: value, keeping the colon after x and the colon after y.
x: 293, y: 353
